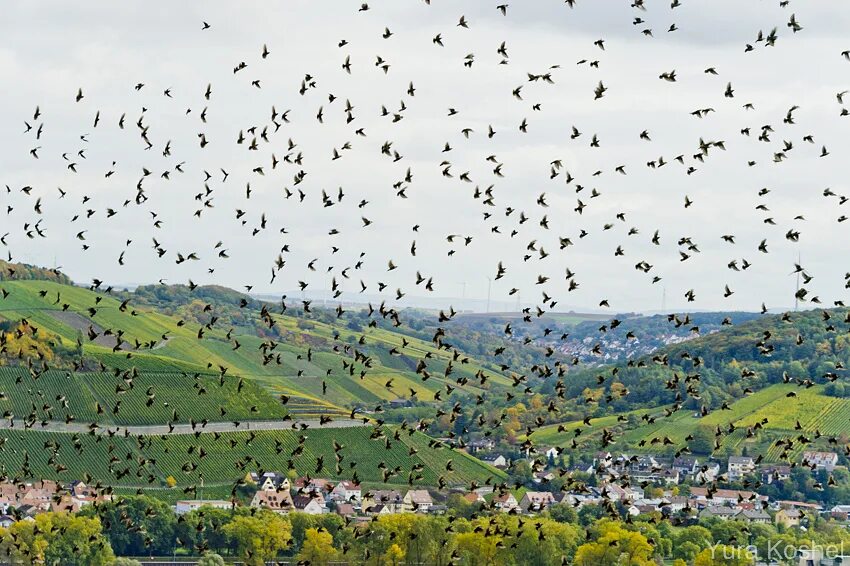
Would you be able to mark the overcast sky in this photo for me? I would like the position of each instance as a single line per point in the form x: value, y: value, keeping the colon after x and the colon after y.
x: 52, y: 49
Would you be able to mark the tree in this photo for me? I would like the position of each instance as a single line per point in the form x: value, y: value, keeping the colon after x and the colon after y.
x: 56, y: 538
x: 259, y: 538
x: 615, y: 546
x: 394, y: 555
x: 136, y: 525
x: 170, y: 481
x: 563, y: 513
x: 318, y: 548
x: 722, y: 555
x: 475, y: 549
x: 703, y: 441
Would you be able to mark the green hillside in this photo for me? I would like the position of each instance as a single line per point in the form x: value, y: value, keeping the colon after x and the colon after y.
x: 76, y: 355
x: 145, y: 398
x: 809, y: 413
x: 155, y: 341
x: 223, y: 459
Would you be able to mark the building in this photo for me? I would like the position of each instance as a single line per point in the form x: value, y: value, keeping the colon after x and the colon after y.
x: 272, y: 500
x: 390, y: 499
x: 345, y: 510
x: 840, y: 512
x: 725, y: 496
x: 495, y: 460
x: 310, y: 504
x: 686, y: 465
x: 481, y: 444
x: 740, y: 466
x: 273, y: 481
x: 473, y: 497
x: 346, y: 490
x: 770, y: 474
x: 505, y: 502
x: 788, y: 517
x: 186, y: 505
x: 312, y: 486
x: 753, y: 516
x: 536, y: 501
x: 820, y: 460
x: 721, y: 512
x: 417, y: 501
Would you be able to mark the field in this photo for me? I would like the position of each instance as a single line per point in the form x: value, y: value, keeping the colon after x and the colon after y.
x: 155, y: 342
x: 148, y: 461
x: 186, y: 396
x: 811, y: 411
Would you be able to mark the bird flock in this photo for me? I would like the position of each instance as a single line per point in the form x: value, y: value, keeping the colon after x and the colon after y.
x: 375, y: 187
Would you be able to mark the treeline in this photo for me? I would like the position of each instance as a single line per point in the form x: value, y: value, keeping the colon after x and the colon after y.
x: 811, y: 345
x: 26, y: 272
x: 466, y: 536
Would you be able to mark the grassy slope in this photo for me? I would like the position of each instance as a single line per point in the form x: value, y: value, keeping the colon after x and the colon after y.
x: 124, y: 462
x: 811, y: 408
x: 183, y: 351
x: 190, y: 397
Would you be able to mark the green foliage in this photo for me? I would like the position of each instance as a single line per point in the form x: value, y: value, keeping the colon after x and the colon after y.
x: 258, y: 539
x: 153, y: 525
x: 56, y: 538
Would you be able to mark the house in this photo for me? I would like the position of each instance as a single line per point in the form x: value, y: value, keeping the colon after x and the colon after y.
x: 542, y: 477
x: 686, y: 465
x: 6, y: 521
x: 473, y: 497
x: 708, y: 472
x: 725, y: 496
x: 273, y: 481
x: 400, y: 403
x: 345, y: 510
x: 185, y: 505
x: 820, y: 460
x: 753, y: 516
x: 417, y: 501
x: 391, y: 499
x: 553, y: 453
x: 718, y: 512
x: 535, y: 501
x: 505, y: 502
x: 788, y: 517
x: 481, y: 444
x: 495, y: 460
x: 770, y: 474
x: 346, y: 490
x: 312, y: 486
x: 380, y: 509
x: 272, y: 500
x: 801, y: 505
x: 740, y: 466
x: 840, y: 512
x: 310, y: 504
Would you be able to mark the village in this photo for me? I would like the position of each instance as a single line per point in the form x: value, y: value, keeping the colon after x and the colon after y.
x: 638, y: 485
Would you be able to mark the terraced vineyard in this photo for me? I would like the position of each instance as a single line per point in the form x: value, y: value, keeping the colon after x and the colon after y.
x: 222, y: 459
x: 156, y: 342
x: 146, y: 399
x: 810, y: 408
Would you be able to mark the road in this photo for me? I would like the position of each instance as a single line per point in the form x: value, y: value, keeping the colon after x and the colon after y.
x: 149, y: 430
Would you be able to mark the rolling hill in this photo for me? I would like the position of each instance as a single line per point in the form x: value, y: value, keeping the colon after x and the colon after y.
x: 220, y: 460
x: 809, y: 413
x: 76, y: 356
